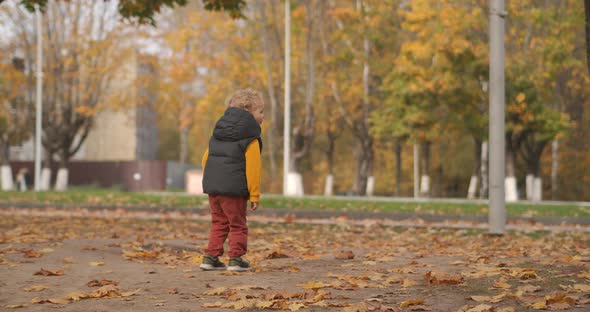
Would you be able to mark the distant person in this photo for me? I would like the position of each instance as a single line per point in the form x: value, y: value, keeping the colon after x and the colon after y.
x: 23, y: 179
x: 231, y: 178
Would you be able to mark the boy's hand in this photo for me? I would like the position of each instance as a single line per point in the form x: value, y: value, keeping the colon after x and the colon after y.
x: 253, y: 206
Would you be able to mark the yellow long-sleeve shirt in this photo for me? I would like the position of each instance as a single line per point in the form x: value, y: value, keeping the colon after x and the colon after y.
x: 253, y: 168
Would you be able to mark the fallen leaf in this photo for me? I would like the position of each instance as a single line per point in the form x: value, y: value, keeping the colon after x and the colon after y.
x: 15, y: 306
x: 36, y: 288
x: 506, y: 309
x: 49, y: 273
x: 442, y: 278
x: 264, y: 304
x: 68, y: 260
x: 76, y: 296
x: 295, y: 306
x: 502, y: 284
x: 582, y: 287
x: 46, y: 250
x: 32, y: 254
x: 345, y: 255
x: 96, y: 263
x: 412, y: 302
x: 130, y: 293
x: 250, y: 287
x: 173, y: 291
x: 529, y: 288
x: 314, y: 285
x: 58, y: 301
x: 217, y: 304
x: 97, y: 283
x: 276, y: 254
x: 409, y: 282
x: 539, y: 305
x: 481, y: 308
x: 559, y: 306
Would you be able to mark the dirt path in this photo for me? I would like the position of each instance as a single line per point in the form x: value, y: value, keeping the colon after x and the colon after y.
x: 305, y: 267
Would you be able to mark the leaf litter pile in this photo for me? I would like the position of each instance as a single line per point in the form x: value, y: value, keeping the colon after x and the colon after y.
x: 120, y: 263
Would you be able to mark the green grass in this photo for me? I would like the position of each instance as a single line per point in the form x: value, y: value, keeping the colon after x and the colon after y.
x: 115, y: 197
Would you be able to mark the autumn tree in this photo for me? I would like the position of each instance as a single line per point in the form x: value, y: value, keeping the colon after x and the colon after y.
x: 15, y: 111
x: 81, y: 59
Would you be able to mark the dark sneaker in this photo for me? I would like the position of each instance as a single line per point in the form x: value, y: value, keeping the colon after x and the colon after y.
x: 211, y: 263
x: 238, y: 264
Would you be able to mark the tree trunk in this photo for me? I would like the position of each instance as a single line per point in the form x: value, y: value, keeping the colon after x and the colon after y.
x: 398, y: 168
x: 587, y: 19
x: 483, y: 192
x: 510, y: 183
x: 476, y: 175
x: 554, y: 168
x: 183, y: 145
x: 61, y: 182
x: 329, y: 187
x: 271, y: 92
x: 303, y: 135
x: 425, y: 179
x: 5, y: 170
x: 364, y: 164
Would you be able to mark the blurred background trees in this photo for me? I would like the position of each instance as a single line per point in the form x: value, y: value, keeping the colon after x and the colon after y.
x: 370, y: 79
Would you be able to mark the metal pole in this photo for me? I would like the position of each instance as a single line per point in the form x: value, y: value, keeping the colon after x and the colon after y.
x: 287, y: 121
x: 497, y: 212
x: 39, y: 97
x: 416, y: 170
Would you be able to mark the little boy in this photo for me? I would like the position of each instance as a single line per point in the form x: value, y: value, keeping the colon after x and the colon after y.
x: 232, y: 177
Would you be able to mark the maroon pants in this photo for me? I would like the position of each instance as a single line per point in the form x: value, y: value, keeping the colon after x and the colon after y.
x: 228, y: 216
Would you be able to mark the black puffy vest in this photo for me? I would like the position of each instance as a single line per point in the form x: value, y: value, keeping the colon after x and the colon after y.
x: 225, y: 170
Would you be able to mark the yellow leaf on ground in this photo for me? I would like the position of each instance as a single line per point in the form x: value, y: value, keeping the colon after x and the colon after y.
x: 345, y: 255
x: 217, y: 304
x: 412, y: 302
x: 409, y: 282
x: 314, y: 285
x: 442, y: 278
x: 295, y: 306
x: 130, y: 293
x: 539, y: 305
x: 46, y: 250
x: 58, y: 300
x: 481, y: 308
x: 506, y: 309
x: 264, y: 304
x: 582, y: 287
x: 49, y: 273
x: 96, y: 263
x: 32, y: 254
x: 584, y: 274
x: 36, y: 288
x: 15, y: 306
x: 76, y: 296
x: 502, y: 284
x: 69, y: 260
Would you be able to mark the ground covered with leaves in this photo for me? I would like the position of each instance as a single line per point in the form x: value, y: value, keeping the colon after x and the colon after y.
x: 117, y: 262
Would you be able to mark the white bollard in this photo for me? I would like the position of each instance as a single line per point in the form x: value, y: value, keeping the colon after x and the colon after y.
x: 370, y: 186
x: 7, y: 182
x: 511, y: 190
x: 425, y: 185
x: 529, y: 186
x: 294, y: 184
x: 45, y: 179
x: 329, y: 187
x: 61, y: 183
x: 472, y: 187
x: 537, y: 189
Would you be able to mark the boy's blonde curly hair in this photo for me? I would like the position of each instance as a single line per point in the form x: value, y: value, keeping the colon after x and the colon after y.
x: 246, y: 99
